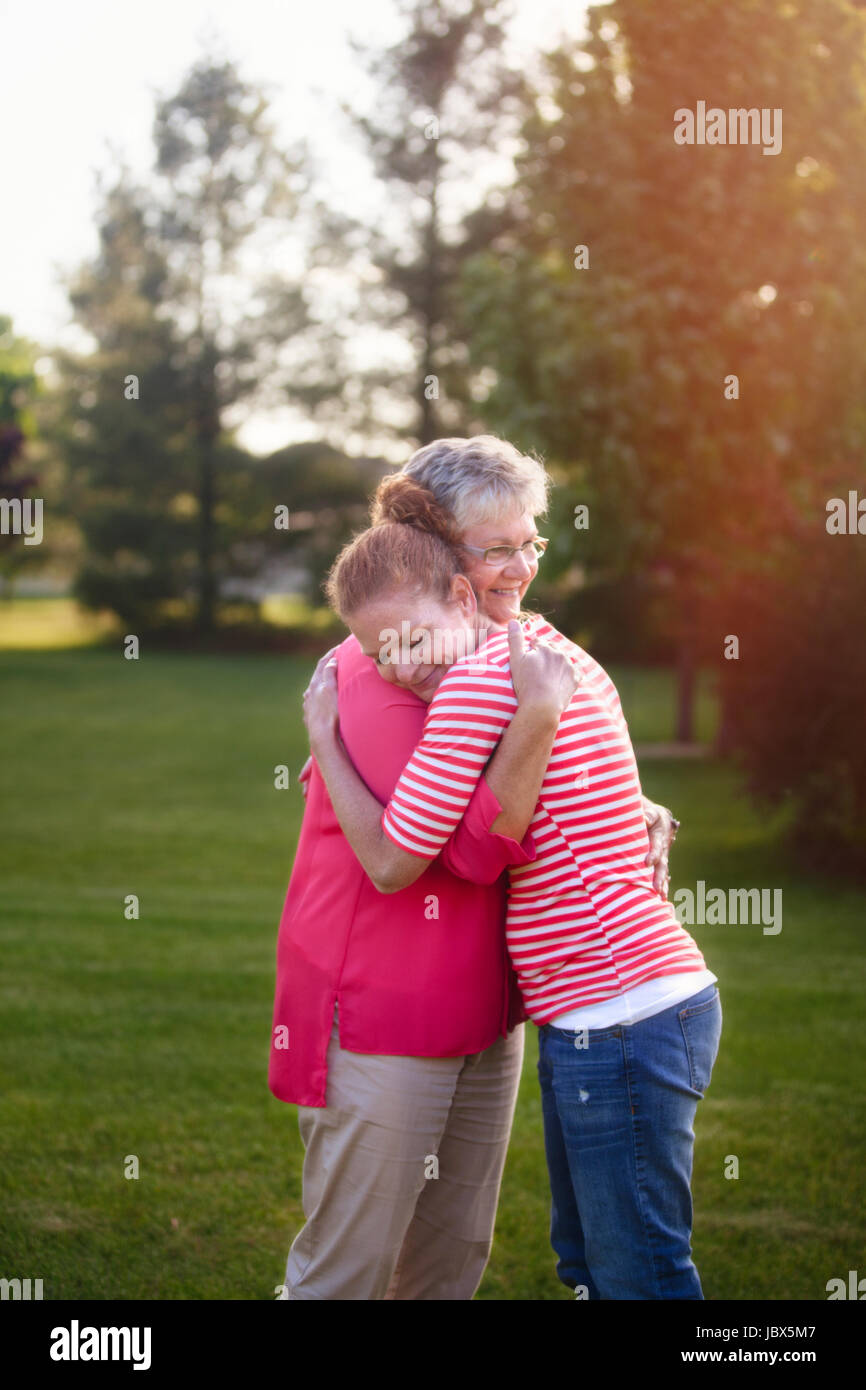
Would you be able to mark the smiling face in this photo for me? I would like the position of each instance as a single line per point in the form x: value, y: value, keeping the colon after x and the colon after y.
x: 499, y: 589
x: 426, y: 629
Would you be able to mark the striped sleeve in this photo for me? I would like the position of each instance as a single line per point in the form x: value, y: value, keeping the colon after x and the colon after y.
x: 467, y: 717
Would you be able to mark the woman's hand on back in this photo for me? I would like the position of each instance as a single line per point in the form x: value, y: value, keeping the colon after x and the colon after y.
x: 662, y: 830
x: 321, y: 714
x: 542, y: 676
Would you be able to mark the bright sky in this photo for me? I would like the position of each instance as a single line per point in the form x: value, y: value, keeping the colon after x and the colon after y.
x: 80, y: 77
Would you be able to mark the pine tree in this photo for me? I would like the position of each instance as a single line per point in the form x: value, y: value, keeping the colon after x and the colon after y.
x: 445, y: 96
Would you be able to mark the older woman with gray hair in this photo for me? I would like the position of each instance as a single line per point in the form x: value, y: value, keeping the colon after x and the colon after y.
x: 488, y: 486
x: 398, y: 1030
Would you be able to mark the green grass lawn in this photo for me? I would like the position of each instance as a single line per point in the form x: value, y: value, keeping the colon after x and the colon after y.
x: 150, y: 1037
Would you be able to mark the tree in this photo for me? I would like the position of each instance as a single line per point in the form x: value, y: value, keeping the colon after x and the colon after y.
x: 17, y: 389
x: 188, y: 328
x: 120, y: 419
x: 445, y: 95
x: 222, y: 176
x: 704, y: 262
x: 795, y: 695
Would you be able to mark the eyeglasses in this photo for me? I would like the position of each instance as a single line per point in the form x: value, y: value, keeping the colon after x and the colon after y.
x: 501, y: 554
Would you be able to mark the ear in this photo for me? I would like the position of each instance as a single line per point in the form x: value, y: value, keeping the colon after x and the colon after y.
x: 463, y: 595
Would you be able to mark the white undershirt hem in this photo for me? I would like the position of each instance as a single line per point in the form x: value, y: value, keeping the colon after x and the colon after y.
x: 635, y: 1004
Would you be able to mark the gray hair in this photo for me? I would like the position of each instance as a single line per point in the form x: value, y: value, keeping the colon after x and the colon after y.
x: 480, y: 478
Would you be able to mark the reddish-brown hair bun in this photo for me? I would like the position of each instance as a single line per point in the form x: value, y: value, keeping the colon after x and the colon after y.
x: 409, y: 548
x: 401, y: 499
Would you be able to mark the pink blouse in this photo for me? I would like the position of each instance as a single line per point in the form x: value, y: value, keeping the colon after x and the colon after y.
x: 420, y: 973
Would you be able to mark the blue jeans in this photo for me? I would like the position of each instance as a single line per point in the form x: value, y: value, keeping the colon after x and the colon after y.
x: 619, y: 1137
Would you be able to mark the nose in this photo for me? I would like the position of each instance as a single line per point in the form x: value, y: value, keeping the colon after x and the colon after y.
x: 405, y: 673
x: 520, y: 567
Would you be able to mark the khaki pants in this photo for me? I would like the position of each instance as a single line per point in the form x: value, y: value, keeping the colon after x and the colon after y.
x: 380, y: 1223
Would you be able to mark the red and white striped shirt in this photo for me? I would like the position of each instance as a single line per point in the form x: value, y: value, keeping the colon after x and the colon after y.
x: 584, y: 921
